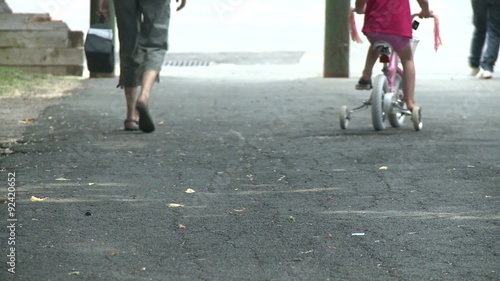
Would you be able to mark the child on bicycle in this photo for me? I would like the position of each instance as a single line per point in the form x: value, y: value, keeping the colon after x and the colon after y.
x: 391, y: 21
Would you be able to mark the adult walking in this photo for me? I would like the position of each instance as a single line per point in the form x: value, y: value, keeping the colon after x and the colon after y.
x: 486, y: 21
x: 143, y: 34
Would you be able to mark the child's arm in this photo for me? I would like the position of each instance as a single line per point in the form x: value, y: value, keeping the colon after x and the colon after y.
x: 424, y: 5
x: 360, y: 6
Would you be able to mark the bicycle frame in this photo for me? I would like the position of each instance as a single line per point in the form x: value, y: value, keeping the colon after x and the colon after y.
x: 390, y: 62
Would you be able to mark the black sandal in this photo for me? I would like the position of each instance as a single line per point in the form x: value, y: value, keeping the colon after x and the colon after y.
x: 131, y: 127
x: 146, y: 123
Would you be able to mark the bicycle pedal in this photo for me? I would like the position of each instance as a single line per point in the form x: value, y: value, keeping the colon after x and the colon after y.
x: 407, y: 112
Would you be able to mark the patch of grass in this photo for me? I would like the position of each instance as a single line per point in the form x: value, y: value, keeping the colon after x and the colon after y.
x: 15, y: 82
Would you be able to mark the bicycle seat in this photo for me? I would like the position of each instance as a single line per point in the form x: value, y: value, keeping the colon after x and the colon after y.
x: 384, y: 50
x: 381, y: 44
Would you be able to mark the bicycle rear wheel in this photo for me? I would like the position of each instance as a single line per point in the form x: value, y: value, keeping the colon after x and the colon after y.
x: 380, y: 87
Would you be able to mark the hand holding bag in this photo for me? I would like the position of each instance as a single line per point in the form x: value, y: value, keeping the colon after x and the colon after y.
x: 99, y: 49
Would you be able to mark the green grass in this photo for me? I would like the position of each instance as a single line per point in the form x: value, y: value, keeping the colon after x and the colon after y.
x: 14, y: 82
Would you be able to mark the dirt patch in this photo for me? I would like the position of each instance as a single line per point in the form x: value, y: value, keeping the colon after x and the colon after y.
x: 23, y: 97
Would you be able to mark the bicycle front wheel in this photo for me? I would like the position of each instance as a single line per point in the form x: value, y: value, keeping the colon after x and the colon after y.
x: 396, y: 117
x: 380, y: 87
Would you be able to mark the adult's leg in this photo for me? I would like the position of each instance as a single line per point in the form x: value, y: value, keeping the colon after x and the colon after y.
x: 149, y: 77
x: 493, y: 42
x: 128, y: 21
x: 153, y: 42
x: 479, y: 35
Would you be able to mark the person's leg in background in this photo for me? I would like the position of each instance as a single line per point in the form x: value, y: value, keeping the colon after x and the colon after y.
x: 493, y: 39
x: 479, y: 34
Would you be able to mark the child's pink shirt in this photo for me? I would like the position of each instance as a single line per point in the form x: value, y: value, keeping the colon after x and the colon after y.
x: 388, y: 16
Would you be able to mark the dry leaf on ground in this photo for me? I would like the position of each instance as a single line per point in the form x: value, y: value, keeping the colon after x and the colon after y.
x: 38, y: 199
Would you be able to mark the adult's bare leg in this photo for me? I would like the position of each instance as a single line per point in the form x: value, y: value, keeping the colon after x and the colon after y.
x: 131, y: 98
x: 146, y: 123
x: 149, y: 77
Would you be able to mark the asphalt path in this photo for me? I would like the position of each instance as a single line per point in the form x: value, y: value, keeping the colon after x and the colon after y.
x: 281, y: 192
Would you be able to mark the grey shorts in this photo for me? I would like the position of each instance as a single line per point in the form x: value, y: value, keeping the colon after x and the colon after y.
x: 143, y: 32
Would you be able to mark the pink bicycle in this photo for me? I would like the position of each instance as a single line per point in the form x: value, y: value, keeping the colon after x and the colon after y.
x: 387, y: 96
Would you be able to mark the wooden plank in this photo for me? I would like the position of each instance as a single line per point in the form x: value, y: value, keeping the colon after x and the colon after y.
x: 41, y: 56
x: 68, y: 70
x: 75, y: 39
x: 34, y: 38
x: 29, y: 22
x: 4, y: 8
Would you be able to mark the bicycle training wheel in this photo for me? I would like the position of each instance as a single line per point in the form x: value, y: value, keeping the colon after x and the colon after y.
x: 416, y: 118
x: 377, y: 99
x: 344, y: 120
x: 396, y: 117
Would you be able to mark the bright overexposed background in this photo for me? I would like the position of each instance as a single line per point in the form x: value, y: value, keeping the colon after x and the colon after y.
x: 279, y: 25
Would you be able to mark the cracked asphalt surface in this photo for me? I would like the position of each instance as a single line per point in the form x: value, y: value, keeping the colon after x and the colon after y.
x: 281, y: 192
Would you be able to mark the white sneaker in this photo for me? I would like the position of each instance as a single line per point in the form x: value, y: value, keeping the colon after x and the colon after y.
x: 485, y: 74
x: 474, y: 71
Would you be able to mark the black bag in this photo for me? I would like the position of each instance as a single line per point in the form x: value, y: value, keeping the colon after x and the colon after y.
x: 99, y: 49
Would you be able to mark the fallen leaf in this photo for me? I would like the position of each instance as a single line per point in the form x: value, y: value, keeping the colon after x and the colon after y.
x: 57, y: 138
x: 160, y: 123
x: 383, y: 168
x: 174, y: 205
x: 113, y: 254
x: 62, y: 179
x: 27, y: 120
x: 38, y: 199
x: 189, y: 190
x: 329, y: 235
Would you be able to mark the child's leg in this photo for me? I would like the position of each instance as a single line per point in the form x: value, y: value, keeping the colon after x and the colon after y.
x: 365, y: 82
x: 406, y: 56
x: 371, y: 58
